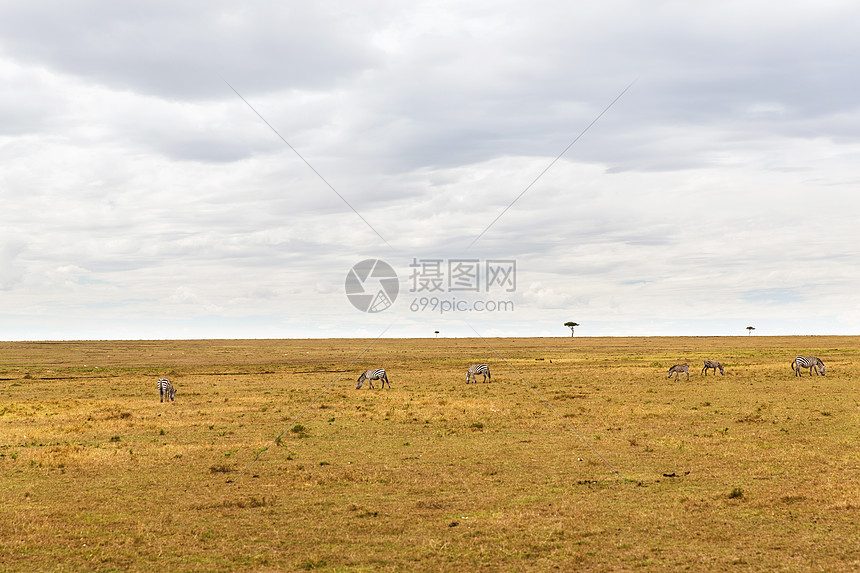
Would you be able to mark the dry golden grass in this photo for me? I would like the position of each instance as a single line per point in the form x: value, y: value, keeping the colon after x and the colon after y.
x: 580, y: 454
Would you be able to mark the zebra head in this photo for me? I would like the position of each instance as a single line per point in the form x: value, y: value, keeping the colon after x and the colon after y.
x: 361, y: 380
x: 821, y: 367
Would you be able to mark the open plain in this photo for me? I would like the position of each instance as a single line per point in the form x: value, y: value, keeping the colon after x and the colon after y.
x: 579, y: 455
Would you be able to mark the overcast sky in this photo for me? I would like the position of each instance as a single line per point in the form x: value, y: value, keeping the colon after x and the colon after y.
x: 143, y: 198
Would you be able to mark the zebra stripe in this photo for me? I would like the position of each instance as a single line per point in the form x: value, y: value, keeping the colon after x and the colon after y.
x: 166, y: 390
x: 808, y: 362
x: 715, y: 365
x: 476, y: 369
x: 677, y: 369
x: 371, y: 375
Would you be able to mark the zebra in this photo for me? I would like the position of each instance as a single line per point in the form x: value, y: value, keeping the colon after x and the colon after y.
x: 166, y: 390
x: 810, y: 362
x: 678, y: 368
x: 371, y: 375
x: 476, y: 369
x: 713, y: 364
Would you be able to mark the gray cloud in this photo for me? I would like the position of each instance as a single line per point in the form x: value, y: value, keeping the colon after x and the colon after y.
x: 179, y: 50
x: 136, y: 183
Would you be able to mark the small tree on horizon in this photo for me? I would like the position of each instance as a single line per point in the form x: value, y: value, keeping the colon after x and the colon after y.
x: 437, y: 333
x: 571, y: 325
x: 750, y: 329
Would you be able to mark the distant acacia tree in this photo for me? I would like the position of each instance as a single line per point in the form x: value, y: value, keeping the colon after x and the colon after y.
x: 437, y: 333
x: 750, y: 329
x: 571, y: 326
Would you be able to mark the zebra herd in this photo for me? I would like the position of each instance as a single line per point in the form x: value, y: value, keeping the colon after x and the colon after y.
x: 811, y: 363
x: 677, y: 369
x: 379, y: 374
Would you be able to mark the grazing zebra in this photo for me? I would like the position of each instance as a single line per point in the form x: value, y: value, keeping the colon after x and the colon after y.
x: 713, y: 364
x: 677, y: 369
x: 810, y: 362
x: 371, y: 375
x: 476, y: 369
x: 166, y: 390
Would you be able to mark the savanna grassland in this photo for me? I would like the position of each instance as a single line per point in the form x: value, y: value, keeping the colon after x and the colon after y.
x: 580, y: 455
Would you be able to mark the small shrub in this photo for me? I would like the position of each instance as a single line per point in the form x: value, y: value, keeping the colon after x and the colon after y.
x: 736, y: 493
x: 115, y: 438
x: 299, y: 430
